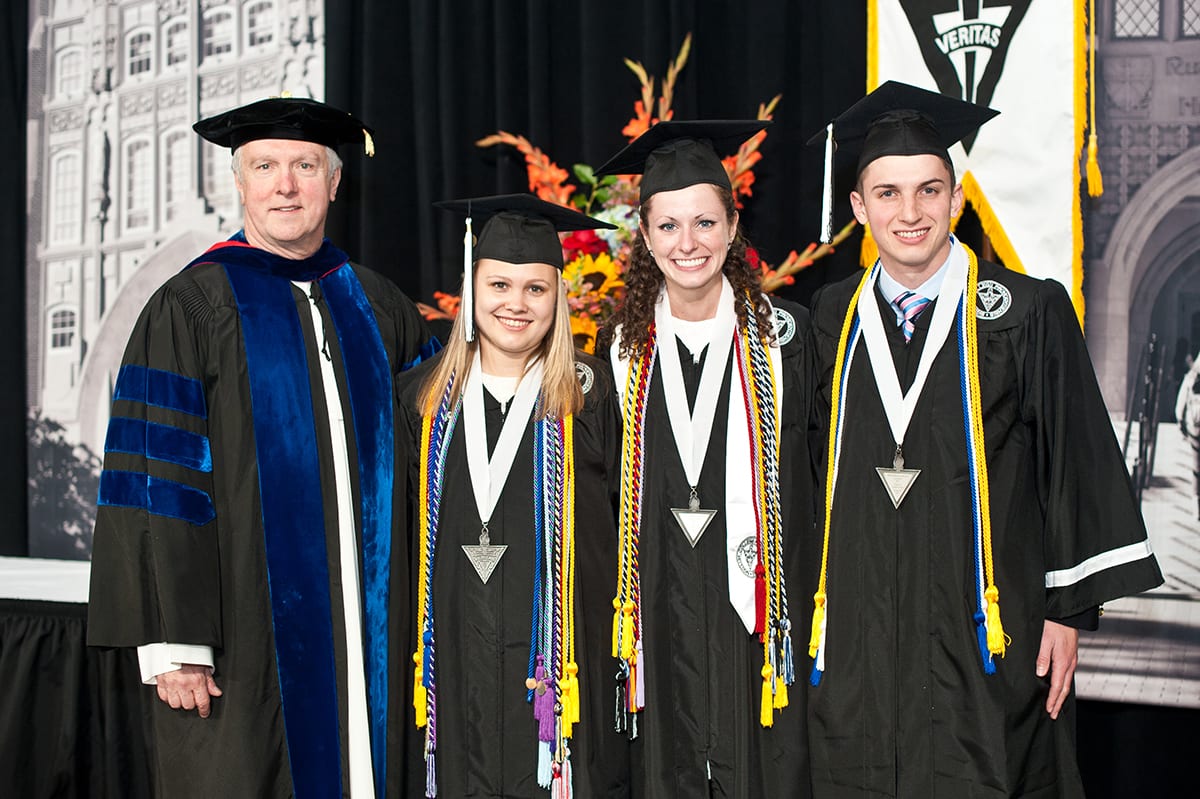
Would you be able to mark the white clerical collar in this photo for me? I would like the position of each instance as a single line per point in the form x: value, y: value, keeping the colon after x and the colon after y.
x: 890, y: 288
x: 694, y: 335
x: 501, y: 388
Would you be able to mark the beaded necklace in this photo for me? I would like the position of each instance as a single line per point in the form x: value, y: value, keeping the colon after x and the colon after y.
x: 989, y: 630
x: 552, y: 684
x: 757, y: 388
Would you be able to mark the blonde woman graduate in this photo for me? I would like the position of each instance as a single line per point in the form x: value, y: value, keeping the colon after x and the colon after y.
x: 716, y: 488
x: 513, y: 492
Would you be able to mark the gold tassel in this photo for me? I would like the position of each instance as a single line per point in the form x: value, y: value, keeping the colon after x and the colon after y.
x: 420, y: 697
x: 368, y: 144
x: 766, y: 715
x: 1095, y: 181
x: 781, y: 694
x: 995, y: 631
x: 627, y: 631
x: 814, y: 642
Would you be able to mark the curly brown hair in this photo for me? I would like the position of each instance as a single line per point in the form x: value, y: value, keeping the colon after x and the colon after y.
x: 644, y: 280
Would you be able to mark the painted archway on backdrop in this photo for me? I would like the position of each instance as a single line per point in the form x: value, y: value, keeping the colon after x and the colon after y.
x: 1156, y: 235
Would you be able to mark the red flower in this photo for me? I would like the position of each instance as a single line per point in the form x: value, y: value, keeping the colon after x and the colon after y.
x: 583, y: 242
x: 753, y: 259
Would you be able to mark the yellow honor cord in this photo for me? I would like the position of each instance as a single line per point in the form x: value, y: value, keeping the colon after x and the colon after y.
x: 995, y: 631
x: 820, y: 597
x: 419, y: 693
x: 569, y: 675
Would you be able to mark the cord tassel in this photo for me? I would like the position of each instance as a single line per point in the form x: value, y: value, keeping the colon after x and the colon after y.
x: 814, y: 643
x: 430, y: 776
x: 1095, y: 181
x: 544, y: 774
x: 420, y: 697
x: 627, y: 631
x: 766, y: 716
x: 996, y: 640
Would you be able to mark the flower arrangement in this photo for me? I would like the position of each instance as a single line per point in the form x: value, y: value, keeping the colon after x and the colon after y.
x: 595, y: 259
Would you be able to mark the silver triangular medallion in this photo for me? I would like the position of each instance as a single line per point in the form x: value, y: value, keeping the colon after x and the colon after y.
x: 693, y: 522
x: 693, y: 519
x: 484, y: 557
x: 897, y: 482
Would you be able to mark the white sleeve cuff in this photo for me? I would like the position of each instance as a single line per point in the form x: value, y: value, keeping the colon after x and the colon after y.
x: 156, y: 659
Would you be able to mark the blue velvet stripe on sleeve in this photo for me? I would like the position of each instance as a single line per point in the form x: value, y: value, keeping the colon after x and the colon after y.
x: 161, y: 389
x: 159, y: 442
x: 156, y: 495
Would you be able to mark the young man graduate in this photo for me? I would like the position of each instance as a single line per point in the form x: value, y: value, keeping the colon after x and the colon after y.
x: 250, y: 489
x: 977, y: 509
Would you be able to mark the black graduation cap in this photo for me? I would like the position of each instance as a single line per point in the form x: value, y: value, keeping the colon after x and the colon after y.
x: 896, y: 119
x: 517, y: 229
x: 296, y: 118
x: 674, y: 155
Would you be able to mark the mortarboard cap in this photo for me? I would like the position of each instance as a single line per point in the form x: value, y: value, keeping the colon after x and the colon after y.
x: 285, y: 118
x: 674, y: 155
x: 896, y: 119
x: 516, y: 229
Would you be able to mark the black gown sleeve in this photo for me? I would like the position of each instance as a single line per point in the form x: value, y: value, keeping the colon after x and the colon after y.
x: 155, y: 570
x: 1095, y: 543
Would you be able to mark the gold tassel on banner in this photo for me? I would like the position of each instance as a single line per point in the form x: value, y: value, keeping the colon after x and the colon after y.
x: 1095, y: 181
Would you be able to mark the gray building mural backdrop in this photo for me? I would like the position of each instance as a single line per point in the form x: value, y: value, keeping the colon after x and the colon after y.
x: 122, y: 194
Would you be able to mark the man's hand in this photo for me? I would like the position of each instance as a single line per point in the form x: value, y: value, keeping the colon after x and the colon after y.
x: 1058, y: 656
x: 190, y: 688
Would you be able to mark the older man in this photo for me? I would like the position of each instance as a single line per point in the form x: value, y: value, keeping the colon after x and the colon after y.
x: 978, y: 510
x: 250, y: 489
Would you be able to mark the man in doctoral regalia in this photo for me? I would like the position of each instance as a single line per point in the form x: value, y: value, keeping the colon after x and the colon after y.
x: 250, y: 489
x: 978, y: 511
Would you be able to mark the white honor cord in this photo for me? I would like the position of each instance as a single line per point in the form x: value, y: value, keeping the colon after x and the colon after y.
x: 488, y: 476
x: 691, y: 434
x: 899, y: 406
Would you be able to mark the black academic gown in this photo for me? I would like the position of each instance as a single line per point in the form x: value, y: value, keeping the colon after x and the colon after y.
x: 486, y: 733
x: 699, y: 734
x: 158, y: 576
x: 904, y: 708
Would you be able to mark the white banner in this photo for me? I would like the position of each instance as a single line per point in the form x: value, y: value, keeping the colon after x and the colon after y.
x: 1025, y: 58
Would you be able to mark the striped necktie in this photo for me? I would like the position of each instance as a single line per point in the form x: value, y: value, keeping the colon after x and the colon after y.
x: 911, y: 305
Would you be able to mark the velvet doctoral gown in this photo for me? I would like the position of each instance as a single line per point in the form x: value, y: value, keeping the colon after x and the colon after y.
x: 699, y: 733
x: 904, y: 707
x: 218, y: 496
x: 486, y: 732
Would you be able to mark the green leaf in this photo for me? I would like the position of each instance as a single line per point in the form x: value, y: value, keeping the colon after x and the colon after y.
x: 609, y: 180
x: 585, y: 173
x: 579, y: 201
x: 601, y: 196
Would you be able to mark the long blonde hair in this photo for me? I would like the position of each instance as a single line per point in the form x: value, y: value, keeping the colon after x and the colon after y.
x: 561, y: 394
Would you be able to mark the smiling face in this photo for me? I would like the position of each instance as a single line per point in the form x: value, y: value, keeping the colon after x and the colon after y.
x: 286, y: 187
x: 908, y: 201
x: 514, y: 311
x: 689, y: 232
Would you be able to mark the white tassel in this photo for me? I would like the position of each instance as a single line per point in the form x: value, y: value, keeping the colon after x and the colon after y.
x: 430, y: 776
x: 467, y: 306
x: 543, y: 772
x: 827, y: 194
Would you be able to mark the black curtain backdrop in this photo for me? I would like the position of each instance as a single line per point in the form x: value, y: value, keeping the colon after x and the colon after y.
x: 14, y: 60
x: 433, y: 77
